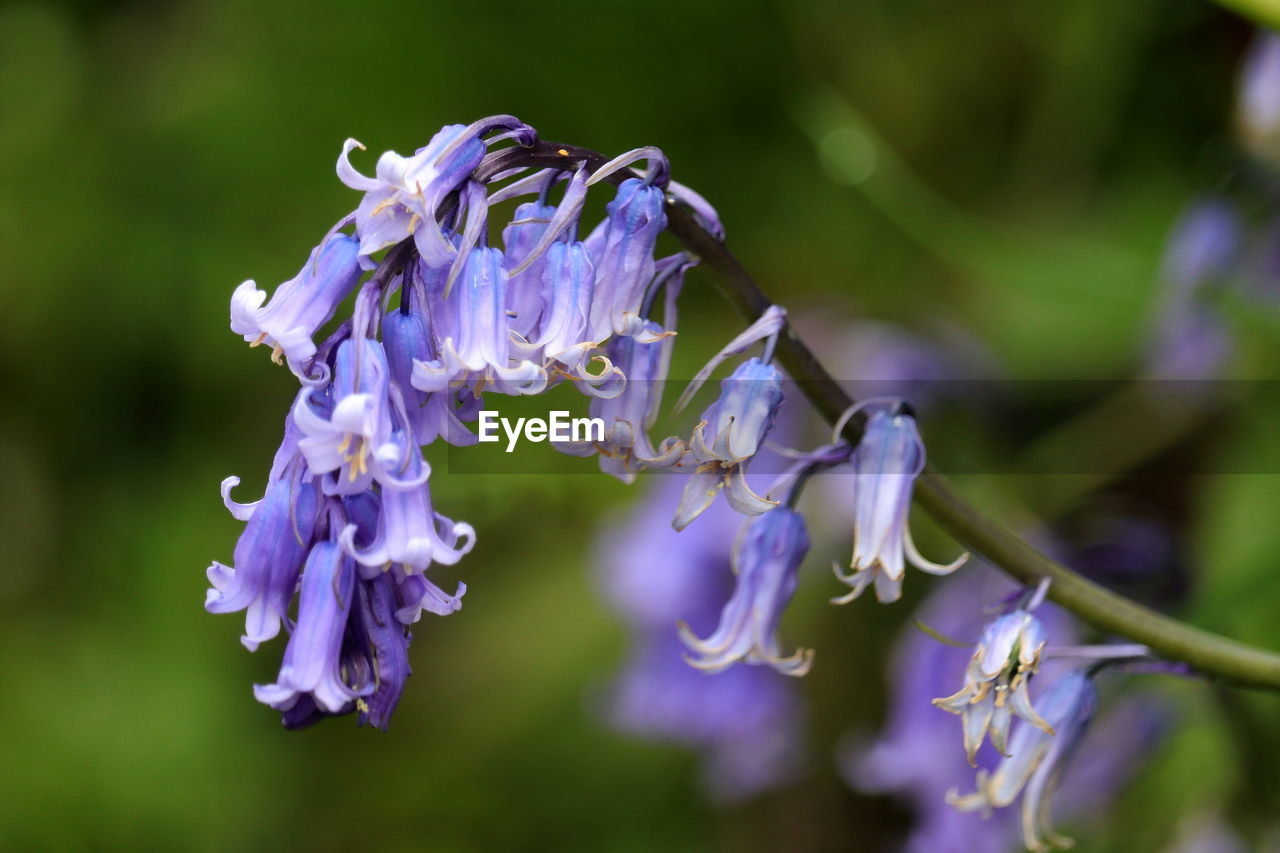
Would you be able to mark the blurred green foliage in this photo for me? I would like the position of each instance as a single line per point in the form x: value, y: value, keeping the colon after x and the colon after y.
x: 1020, y: 167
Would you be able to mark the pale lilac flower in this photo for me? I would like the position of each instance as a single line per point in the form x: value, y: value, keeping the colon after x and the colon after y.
x: 1037, y: 760
x: 567, y: 285
x: 346, y: 423
x: 301, y: 305
x: 403, y: 197
x: 410, y: 532
x: 731, y: 432
x: 419, y: 594
x: 563, y: 342
x: 766, y: 561
x: 312, y: 659
x: 915, y: 756
x: 733, y: 429
x: 995, y: 682
x: 885, y: 464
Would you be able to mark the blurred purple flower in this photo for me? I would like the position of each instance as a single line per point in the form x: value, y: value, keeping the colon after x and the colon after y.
x: 917, y: 755
x: 745, y: 720
x: 766, y: 559
x: 1190, y: 339
x: 1258, y: 100
x: 1036, y: 761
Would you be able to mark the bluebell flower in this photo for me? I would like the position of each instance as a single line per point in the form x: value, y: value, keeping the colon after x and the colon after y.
x: 405, y: 339
x: 383, y: 642
x: 403, y: 197
x: 1037, y: 760
x: 915, y: 758
x: 313, y: 657
x: 268, y: 557
x: 629, y: 415
x: 622, y: 249
x: 766, y: 561
x: 410, y: 532
x: 476, y: 349
x: 346, y: 423
x: 525, y: 296
x: 995, y: 682
x: 745, y: 722
x: 730, y: 433
x: 301, y: 305
x: 568, y: 280
x: 885, y: 464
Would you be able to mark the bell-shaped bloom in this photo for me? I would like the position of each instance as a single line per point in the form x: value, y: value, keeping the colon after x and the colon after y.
x: 766, y: 561
x: 402, y: 198
x: 885, y: 465
x: 731, y: 432
x: 995, y: 683
x: 1037, y: 759
x: 301, y: 305
x: 406, y: 340
x: 622, y: 248
x: 744, y: 721
x: 914, y: 757
x: 476, y: 347
x: 384, y: 643
x: 628, y: 416
x: 312, y: 663
x: 346, y: 424
x: 410, y: 532
x: 268, y: 556
x: 568, y: 279
x: 525, y: 288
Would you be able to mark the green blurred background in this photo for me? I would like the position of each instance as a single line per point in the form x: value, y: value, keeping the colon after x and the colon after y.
x: 1015, y: 170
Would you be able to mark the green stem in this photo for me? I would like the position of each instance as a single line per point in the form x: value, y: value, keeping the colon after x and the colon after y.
x: 1208, y: 653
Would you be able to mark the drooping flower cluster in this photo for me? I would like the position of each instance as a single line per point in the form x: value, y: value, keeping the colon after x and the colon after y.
x: 347, y: 524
